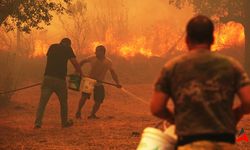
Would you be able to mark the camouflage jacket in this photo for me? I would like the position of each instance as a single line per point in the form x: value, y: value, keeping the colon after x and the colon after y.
x: 202, y: 85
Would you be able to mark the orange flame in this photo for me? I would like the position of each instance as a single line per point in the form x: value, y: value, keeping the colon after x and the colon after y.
x: 40, y: 49
x: 158, y: 41
x: 229, y: 35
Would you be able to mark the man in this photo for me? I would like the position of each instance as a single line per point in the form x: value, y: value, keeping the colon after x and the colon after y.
x: 202, y: 85
x: 100, y: 64
x: 54, y: 80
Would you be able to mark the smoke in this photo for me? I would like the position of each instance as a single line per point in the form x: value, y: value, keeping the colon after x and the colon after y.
x: 149, y: 12
x: 118, y: 24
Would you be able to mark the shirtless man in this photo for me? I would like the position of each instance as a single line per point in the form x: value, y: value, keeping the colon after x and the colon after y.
x: 100, y: 65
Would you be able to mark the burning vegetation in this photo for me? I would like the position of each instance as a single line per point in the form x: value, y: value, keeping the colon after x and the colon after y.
x: 126, y: 28
x: 136, y: 35
x: 158, y: 42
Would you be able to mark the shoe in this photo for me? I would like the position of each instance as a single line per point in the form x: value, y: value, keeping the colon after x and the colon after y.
x: 78, y: 115
x: 37, y: 126
x: 93, y: 117
x: 69, y: 123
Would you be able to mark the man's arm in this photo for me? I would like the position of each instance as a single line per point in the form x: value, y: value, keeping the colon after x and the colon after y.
x: 159, y: 108
x: 244, y: 108
x: 115, y: 77
x: 243, y: 90
x: 84, y: 61
x: 76, y: 65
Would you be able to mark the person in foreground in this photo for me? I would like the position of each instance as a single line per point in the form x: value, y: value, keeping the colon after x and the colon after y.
x: 54, y: 80
x: 100, y: 64
x: 202, y: 85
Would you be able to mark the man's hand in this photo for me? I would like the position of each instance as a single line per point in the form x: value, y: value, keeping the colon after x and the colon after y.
x: 76, y: 66
x: 115, y: 78
x: 159, y: 108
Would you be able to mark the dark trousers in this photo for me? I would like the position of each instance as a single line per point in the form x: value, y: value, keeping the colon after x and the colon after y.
x: 59, y: 87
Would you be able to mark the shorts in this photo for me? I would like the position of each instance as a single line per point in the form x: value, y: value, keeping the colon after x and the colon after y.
x: 99, y: 94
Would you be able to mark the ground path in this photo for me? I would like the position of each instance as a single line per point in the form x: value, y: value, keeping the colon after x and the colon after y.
x: 122, y: 117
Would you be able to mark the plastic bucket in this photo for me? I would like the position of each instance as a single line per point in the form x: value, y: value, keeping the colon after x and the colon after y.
x: 170, y: 131
x: 87, y: 85
x: 155, y: 139
x: 74, y: 82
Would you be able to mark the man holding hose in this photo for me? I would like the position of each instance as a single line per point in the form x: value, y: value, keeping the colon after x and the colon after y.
x: 202, y: 85
x: 100, y: 64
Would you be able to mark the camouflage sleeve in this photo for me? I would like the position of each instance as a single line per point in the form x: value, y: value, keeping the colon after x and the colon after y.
x: 163, y: 82
x: 242, y: 78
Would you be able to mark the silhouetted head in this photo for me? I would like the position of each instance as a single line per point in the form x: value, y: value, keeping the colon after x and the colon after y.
x: 100, y: 52
x: 66, y: 42
x: 200, y: 31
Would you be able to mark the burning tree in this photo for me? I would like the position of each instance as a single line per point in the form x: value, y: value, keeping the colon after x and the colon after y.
x: 225, y: 11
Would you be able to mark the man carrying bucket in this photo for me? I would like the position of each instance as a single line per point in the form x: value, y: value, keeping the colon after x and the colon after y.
x: 202, y: 85
x: 54, y: 80
x: 100, y: 64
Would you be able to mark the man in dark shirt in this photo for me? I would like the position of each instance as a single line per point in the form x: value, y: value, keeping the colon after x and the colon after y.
x: 202, y: 85
x: 54, y: 80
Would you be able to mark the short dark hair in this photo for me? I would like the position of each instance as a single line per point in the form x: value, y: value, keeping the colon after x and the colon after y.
x: 200, y: 30
x: 101, y: 48
x: 66, y: 41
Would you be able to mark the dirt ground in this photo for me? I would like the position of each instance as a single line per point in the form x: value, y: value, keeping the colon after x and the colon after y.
x: 122, y: 120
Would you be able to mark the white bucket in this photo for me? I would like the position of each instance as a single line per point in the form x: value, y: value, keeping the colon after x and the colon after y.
x: 87, y: 85
x: 170, y: 131
x: 155, y: 139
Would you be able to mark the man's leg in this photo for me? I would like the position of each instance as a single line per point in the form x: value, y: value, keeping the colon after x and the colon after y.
x: 99, y: 95
x: 46, y: 92
x: 62, y: 93
x: 82, y: 102
x: 95, y: 108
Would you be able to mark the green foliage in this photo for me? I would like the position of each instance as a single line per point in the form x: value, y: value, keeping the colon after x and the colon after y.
x: 226, y: 10
x: 27, y: 14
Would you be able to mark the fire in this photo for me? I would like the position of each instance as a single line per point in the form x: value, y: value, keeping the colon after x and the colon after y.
x: 154, y: 42
x: 135, y: 47
x: 157, y: 41
x: 40, y: 49
x: 129, y: 49
x: 229, y: 35
x: 162, y: 40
